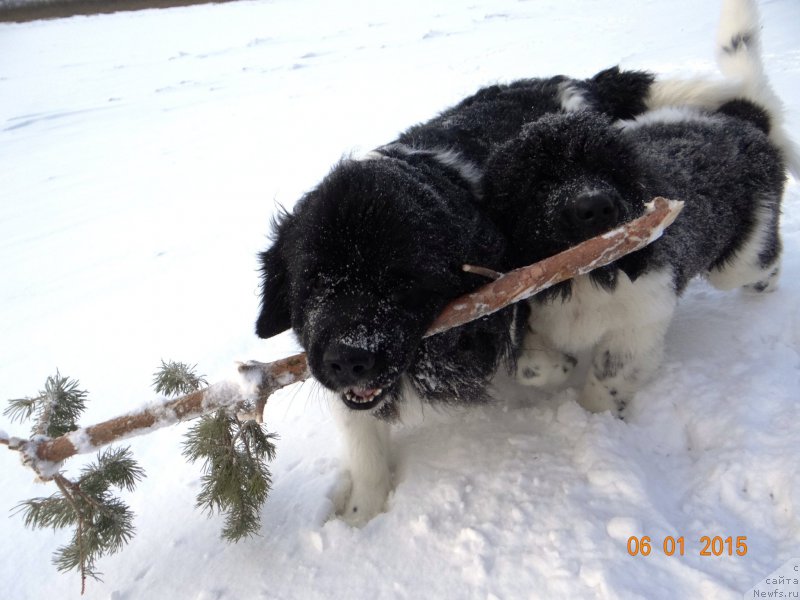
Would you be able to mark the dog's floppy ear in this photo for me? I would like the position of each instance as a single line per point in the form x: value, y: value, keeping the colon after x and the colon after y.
x: 275, y: 316
x: 621, y: 94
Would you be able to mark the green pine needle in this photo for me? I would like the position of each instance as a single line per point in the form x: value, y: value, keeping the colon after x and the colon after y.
x: 57, y: 408
x: 41, y: 513
x: 102, y: 523
x: 64, y: 403
x: 21, y: 409
x: 108, y: 526
x: 115, y: 467
x: 177, y: 378
x: 236, y: 479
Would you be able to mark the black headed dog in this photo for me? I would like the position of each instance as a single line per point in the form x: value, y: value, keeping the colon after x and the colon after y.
x: 568, y: 177
x: 368, y: 258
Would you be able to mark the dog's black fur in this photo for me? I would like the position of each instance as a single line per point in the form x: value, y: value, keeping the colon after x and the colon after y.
x: 369, y: 257
x: 568, y: 177
x: 493, y: 115
x: 363, y: 266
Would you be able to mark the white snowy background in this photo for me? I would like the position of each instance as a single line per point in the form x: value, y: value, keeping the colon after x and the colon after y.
x: 141, y: 157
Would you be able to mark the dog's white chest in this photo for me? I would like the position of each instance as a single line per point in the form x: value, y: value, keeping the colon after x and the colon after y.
x: 578, y: 323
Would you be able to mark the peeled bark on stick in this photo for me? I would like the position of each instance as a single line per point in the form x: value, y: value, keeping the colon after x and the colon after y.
x: 266, y: 378
x: 525, y: 282
x: 44, y: 455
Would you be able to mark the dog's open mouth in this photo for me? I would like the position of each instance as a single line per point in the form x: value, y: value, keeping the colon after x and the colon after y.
x: 359, y: 398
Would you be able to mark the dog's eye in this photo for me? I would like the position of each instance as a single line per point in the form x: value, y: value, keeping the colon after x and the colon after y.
x: 319, y: 282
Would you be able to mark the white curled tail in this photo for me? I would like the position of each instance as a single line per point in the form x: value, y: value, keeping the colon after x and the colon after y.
x: 740, y: 59
x: 739, y: 42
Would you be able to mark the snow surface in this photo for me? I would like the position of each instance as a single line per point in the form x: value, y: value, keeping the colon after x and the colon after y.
x: 142, y: 157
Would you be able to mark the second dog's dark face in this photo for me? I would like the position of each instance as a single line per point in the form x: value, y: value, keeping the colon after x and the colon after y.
x: 361, y: 268
x: 564, y: 179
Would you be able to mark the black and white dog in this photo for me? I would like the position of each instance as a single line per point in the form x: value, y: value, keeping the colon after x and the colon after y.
x: 369, y: 257
x: 568, y: 177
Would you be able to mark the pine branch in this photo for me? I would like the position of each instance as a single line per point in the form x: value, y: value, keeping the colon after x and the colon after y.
x: 42, y: 455
x: 512, y: 287
x: 63, y: 404
x: 41, y: 513
x: 115, y: 467
x: 174, y: 378
x: 21, y: 409
x: 103, y: 523
x: 236, y: 479
x: 57, y: 407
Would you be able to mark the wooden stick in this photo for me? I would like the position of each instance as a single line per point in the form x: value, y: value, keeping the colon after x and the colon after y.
x: 589, y: 255
x: 44, y: 455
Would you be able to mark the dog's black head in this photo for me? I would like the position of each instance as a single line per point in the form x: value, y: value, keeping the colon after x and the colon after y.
x: 364, y: 264
x: 563, y: 179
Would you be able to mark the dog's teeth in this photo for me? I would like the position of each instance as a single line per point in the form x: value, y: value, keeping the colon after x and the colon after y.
x: 365, y: 397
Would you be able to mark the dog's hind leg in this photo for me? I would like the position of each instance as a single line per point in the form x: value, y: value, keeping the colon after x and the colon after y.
x: 366, y: 440
x: 755, y: 265
x: 768, y: 283
x: 622, y: 362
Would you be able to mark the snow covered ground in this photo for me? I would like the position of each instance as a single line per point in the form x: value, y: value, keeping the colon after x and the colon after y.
x: 141, y: 156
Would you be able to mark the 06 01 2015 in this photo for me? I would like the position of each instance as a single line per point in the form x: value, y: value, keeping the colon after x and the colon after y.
x: 709, y: 545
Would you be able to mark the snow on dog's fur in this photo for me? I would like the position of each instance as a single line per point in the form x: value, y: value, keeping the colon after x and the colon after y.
x: 569, y: 177
x: 367, y: 259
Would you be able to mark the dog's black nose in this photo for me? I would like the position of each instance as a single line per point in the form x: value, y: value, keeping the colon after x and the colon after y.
x: 347, y: 365
x: 593, y: 212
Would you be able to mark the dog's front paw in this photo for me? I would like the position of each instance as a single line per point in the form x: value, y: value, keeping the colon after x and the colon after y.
x: 368, y: 478
x: 544, y: 368
x: 362, y: 502
x: 597, y: 397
